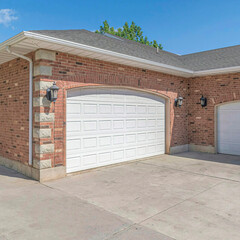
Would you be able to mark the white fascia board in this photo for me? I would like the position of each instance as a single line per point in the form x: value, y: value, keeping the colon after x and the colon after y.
x: 216, y: 71
x: 13, y: 40
x: 106, y: 52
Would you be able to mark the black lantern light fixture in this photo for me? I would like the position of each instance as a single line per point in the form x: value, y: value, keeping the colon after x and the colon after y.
x: 178, y: 102
x: 203, y: 101
x: 52, y: 93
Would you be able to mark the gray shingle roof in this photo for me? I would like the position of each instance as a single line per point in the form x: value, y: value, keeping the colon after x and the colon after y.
x: 213, y: 59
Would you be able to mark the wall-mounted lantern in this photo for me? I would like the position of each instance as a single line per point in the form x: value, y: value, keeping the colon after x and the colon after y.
x: 52, y: 93
x: 178, y: 102
x: 203, y: 101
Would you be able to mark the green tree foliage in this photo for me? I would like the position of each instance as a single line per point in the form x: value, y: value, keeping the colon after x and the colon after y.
x: 132, y: 32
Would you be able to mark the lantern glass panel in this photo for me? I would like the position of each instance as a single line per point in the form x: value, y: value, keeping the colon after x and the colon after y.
x: 180, y: 101
x: 54, y: 94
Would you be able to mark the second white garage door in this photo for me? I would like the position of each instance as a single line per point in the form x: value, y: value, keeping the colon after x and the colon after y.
x: 229, y: 128
x: 107, y: 126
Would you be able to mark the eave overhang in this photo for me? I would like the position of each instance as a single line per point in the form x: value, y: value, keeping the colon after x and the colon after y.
x: 26, y: 42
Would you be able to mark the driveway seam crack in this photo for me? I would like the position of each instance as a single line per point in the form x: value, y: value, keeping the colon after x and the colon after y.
x: 185, y: 200
x: 201, y: 174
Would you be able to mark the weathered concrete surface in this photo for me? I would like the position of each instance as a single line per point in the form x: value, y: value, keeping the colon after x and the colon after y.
x: 29, y: 210
x: 187, y: 196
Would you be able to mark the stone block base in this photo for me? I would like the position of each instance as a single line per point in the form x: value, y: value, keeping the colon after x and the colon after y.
x: 192, y: 148
x: 52, y: 173
x: 200, y: 148
x: 20, y: 167
x: 179, y: 149
x: 41, y: 175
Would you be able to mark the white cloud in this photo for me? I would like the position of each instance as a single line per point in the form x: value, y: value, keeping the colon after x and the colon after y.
x: 7, y: 16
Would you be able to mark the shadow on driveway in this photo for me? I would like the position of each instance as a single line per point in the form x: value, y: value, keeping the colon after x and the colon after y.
x: 7, y: 172
x: 219, y: 158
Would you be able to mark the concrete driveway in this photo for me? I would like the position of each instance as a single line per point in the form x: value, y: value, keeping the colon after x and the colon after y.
x: 187, y: 196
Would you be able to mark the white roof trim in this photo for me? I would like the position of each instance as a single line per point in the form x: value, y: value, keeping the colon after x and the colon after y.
x: 168, y: 68
x: 102, y: 51
x: 11, y: 41
x: 217, y: 71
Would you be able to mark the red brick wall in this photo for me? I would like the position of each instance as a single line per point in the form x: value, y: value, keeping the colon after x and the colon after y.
x: 14, y: 90
x: 71, y: 71
x: 217, y: 89
x: 189, y: 124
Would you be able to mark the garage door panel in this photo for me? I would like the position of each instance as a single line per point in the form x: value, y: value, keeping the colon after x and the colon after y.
x: 118, y: 124
x: 72, y: 154
x: 73, y: 126
x: 151, y: 109
x: 90, y: 108
x: 131, y: 124
x: 74, y: 108
x: 89, y: 125
x: 118, y: 155
x: 130, y: 138
x: 118, y: 109
x: 89, y: 160
x: 142, y: 151
x: 225, y: 117
x: 160, y: 147
x: 74, y: 162
x: 105, y: 157
x: 105, y: 141
x: 105, y: 109
x: 229, y: 136
x: 118, y: 139
x: 234, y: 149
x: 131, y: 109
x: 112, y: 126
x: 142, y: 137
x: 228, y: 128
x: 73, y: 144
x: 159, y: 109
x: 89, y: 142
x: 131, y: 153
x: 151, y: 149
x: 141, y: 109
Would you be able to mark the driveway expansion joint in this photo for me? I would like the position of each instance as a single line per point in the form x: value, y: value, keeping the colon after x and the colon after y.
x: 179, y: 203
x: 200, y: 174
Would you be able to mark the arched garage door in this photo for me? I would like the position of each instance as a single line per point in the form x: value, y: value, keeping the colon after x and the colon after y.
x: 228, y: 128
x: 107, y: 126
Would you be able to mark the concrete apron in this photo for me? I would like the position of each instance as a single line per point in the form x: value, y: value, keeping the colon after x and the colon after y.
x: 42, y: 170
x: 187, y: 196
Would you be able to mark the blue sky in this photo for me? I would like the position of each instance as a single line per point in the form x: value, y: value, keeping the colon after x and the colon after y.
x: 182, y: 26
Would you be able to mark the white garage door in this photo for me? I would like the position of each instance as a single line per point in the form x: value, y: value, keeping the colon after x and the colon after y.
x: 229, y: 128
x: 106, y: 126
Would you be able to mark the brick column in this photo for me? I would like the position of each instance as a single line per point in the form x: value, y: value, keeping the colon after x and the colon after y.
x: 44, y: 119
